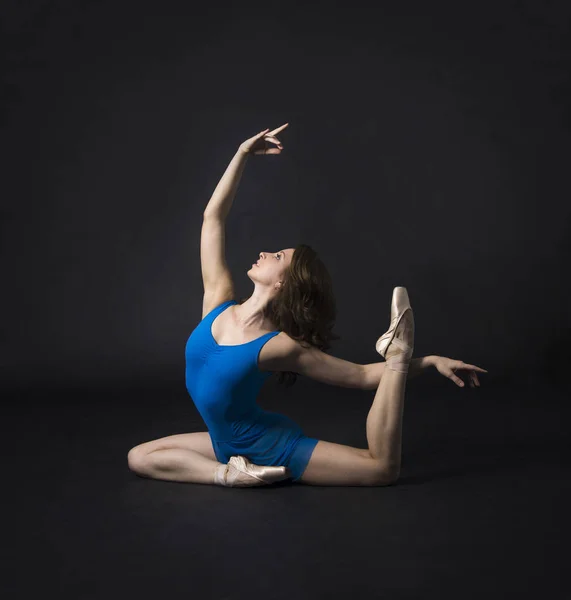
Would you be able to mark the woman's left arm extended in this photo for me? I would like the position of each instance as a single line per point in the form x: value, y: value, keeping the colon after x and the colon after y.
x: 445, y: 366
x: 374, y: 371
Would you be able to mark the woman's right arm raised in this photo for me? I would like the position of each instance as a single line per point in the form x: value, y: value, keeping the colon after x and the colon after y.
x: 216, y: 276
x: 223, y: 196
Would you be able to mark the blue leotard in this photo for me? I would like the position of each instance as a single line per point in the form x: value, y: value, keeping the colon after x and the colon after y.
x: 224, y: 383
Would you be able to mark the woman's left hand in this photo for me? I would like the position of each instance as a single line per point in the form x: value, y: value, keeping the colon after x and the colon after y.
x: 449, y: 366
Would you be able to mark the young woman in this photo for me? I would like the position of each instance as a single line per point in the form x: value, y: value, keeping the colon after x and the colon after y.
x: 284, y: 326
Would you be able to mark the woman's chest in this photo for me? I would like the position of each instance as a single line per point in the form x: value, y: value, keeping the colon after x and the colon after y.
x: 226, y: 333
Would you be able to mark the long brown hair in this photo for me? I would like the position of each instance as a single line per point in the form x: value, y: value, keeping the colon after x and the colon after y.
x: 305, y: 307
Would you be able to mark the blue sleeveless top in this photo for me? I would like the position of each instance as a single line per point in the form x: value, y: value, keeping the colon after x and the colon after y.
x: 224, y: 381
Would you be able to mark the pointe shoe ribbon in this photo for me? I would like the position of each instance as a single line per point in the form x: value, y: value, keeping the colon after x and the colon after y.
x: 238, y: 466
x: 399, y: 360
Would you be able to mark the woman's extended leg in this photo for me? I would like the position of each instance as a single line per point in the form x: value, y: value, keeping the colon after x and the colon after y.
x: 335, y: 464
x: 384, y: 421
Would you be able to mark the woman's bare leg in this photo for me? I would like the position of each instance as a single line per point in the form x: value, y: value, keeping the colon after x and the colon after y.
x: 186, y: 465
x: 174, y: 464
x: 384, y: 421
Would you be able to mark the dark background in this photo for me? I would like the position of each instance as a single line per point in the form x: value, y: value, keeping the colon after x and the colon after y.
x: 428, y: 147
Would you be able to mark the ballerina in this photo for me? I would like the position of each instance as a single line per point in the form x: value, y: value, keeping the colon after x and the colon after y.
x: 283, y: 327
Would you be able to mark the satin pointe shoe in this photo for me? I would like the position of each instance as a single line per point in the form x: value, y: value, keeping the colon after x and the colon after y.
x: 240, y: 472
x: 396, y: 345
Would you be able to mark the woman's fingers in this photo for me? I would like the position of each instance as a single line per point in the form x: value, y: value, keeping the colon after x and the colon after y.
x: 269, y: 151
x: 271, y: 138
x: 281, y: 128
x: 474, y: 381
x: 267, y: 136
x: 476, y: 368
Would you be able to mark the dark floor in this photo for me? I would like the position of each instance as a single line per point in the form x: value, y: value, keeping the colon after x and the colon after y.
x: 480, y: 510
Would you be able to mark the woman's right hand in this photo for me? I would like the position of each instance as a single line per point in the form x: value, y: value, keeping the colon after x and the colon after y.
x: 259, y: 143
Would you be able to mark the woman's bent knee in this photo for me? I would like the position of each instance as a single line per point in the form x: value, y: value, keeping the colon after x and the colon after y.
x: 135, y: 459
x: 383, y: 476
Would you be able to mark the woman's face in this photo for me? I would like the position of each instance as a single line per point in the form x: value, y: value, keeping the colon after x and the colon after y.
x: 270, y: 266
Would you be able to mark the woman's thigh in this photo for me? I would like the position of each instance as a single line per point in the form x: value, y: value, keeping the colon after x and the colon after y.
x: 199, y: 442
x: 337, y: 464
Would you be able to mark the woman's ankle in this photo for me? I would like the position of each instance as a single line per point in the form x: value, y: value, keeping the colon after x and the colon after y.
x: 399, y: 361
x: 220, y: 474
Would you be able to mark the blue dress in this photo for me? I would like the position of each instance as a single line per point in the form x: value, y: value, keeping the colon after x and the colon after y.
x: 224, y: 383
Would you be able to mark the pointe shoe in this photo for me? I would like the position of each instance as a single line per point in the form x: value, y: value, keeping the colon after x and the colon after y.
x: 398, y: 350
x: 240, y: 472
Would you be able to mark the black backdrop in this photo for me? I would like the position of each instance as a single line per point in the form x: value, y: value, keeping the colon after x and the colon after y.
x: 427, y: 147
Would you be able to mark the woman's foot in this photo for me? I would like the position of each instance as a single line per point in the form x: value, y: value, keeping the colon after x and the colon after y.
x: 240, y: 472
x: 399, y: 351
x: 229, y: 476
